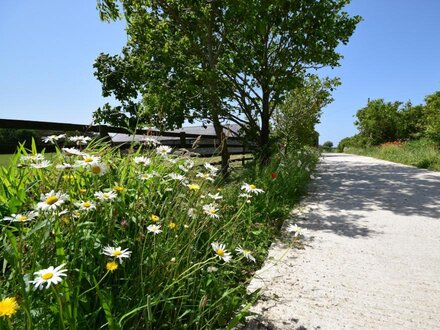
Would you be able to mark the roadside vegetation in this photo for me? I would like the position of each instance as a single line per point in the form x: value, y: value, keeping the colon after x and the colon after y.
x: 399, y: 132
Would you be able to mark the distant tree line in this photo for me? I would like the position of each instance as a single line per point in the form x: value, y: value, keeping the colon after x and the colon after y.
x: 380, y: 122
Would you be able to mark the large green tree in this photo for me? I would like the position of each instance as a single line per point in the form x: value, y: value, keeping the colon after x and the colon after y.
x: 224, y: 60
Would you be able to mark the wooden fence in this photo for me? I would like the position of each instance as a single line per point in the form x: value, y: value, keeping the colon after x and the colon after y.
x: 204, y: 144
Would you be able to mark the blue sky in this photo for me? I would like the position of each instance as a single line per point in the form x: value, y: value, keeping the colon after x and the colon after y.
x: 48, y: 49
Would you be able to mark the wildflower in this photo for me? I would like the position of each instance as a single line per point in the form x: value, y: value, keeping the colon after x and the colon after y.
x: 53, y: 138
x: 173, y: 259
x: 145, y: 177
x: 175, y: 176
x: 98, y: 168
x: 192, y: 213
x: 220, y: 251
x: 79, y: 139
x: 211, y: 210
x: 116, y: 253
x: 73, y: 151
x: 155, y: 229
x: 86, y: 206
x: 118, y: 188
x: 48, y: 276
x: 188, y: 163
x: 251, y: 188
x: 215, y: 197
x: 151, y: 142
x: 193, y: 186
x: 88, y: 160
x: 296, y: 229
x: 22, y: 217
x: 51, y: 200
x: 183, y: 168
x: 68, y: 177
x: 82, y: 190
x: 163, y: 150
x: 64, y: 166
x: 105, y: 196
x: 42, y: 164
x: 145, y: 161
x: 154, y: 218
x: 273, y: 175
x: 211, y: 269
x: 211, y: 168
x: 32, y: 158
x: 172, y: 225
x: 172, y: 160
x: 246, y: 253
x: 111, y: 266
x: 8, y: 307
x: 205, y: 176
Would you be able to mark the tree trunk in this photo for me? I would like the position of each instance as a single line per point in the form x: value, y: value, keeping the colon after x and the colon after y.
x: 223, y: 146
x: 265, y: 130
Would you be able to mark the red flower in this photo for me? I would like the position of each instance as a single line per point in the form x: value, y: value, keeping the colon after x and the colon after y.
x: 274, y: 175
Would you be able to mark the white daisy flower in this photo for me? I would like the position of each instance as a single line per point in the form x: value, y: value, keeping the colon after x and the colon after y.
x: 151, y: 142
x: 155, y: 229
x: 251, y: 188
x: 205, y: 176
x: 42, y: 164
x: 85, y: 205
x: 32, y: 158
x: 48, y: 276
x: 220, y: 251
x: 79, y: 139
x: 246, y: 253
x: 145, y: 176
x: 296, y: 229
x: 64, y: 166
x: 188, y: 164
x: 53, y: 138
x: 117, y: 253
x: 217, y: 196
x: 73, y: 151
x: 22, y: 217
x: 51, y: 200
x: 145, y: 161
x: 105, y: 196
x: 183, y: 168
x: 175, y: 176
x: 211, y: 269
x: 211, y: 168
x: 88, y: 160
x: 163, y: 150
x: 211, y: 210
x: 98, y: 168
x: 192, y: 213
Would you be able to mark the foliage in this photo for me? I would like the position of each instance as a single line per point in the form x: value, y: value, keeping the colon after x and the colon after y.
x: 422, y: 153
x: 295, y: 120
x: 15, y: 136
x: 433, y: 116
x: 172, y: 279
x: 234, y: 60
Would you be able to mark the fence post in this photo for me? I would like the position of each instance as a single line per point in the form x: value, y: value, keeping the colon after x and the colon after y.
x: 103, y: 133
x: 182, y: 139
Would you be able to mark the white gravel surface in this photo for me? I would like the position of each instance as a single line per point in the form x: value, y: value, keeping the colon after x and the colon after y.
x: 371, y: 257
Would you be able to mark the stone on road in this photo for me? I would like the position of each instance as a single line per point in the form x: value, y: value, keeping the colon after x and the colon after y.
x: 371, y: 257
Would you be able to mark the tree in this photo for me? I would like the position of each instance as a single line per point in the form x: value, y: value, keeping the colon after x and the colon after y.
x: 327, y: 145
x: 224, y: 60
x: 296, y: 118
x: 433, y: 116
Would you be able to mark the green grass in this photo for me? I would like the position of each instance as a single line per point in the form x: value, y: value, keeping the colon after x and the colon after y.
x: 5, y: 159
x: 171, y: 280
x: 421, y: 153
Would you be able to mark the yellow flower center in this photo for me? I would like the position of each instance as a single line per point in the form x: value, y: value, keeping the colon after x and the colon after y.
x: 8, y: 307
x: 252, y: 186
x: 111, y: 266
x: 96, y: 169
x: 212, y: 211
x: 88, y: 160
x: 22, y: 217
x: 87, y: 204
x: 105, y: 195
x: 82, y: 190
x: 194, y: 187
x: 172, y: 225
x: 220, y: 252
x: 118, y: 188
x: 154, y: 218
x: 51, y: 200
x: 68, y: 177
x: 116, y: 253
x: 47, y: 276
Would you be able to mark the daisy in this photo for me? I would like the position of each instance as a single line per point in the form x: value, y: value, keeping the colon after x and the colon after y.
x: 211, y: 269
x: 118, y: 188
x: 211, y: 210
x: 296, y: 229
x: 154, y: 218
x: 111, y: 266
x: 193, y: 186
x: 172, y: 225
x: 105, y: 196
x: 51, y: 200
x: 145, y: 177
x: 73, y: 151
x: 8, y: 307
x: 183, y: 168
x: 22, y: 217
x: 151, y: 142
x: 42, y: 164
x: 86, y: 206
x: 246, y: 253
x: 145, y: 161
x: 53, y: 138
x: 163, y: 150
x: 98, y: 168
x: 192, y: 213
x: 49, y: 276
x: 220, y: 251
x: 64, y: 166
x: 88, y: 160
x: 251, y: 188
x: 79, y: 139
x: 155, y: 229
x: 205, y: 176
x: 116, y: 253
x: 175, y: 176
x: 211, y: 168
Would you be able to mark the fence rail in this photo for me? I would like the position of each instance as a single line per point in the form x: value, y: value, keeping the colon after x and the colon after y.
x: 207, y: 145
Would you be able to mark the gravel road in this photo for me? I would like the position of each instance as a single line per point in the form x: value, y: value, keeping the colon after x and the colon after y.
x: 371, y: 257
